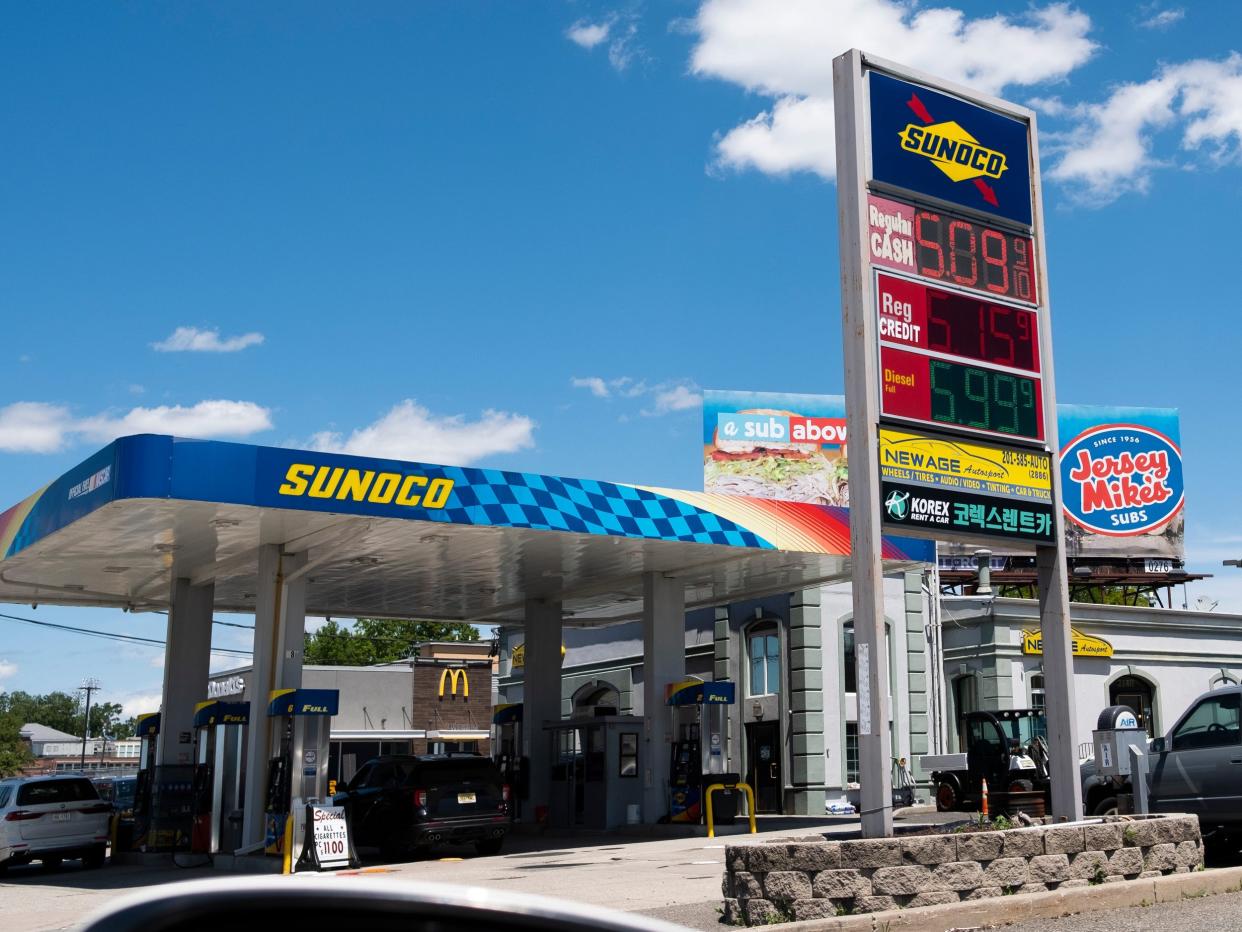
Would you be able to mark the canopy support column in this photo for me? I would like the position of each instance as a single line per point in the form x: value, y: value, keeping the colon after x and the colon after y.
x: 279, y: 629
x: 187, y: 664
x: 541, y: 698
x: 664, y: 662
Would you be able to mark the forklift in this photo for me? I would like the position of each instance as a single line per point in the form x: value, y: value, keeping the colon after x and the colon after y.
x: 1008, y: 749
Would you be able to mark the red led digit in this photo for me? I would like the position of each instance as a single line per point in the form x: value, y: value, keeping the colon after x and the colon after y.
x: 1000, y: 335
x: 934, y: 320
x: 1022, y: 270
x: 996, y: 262
x: 920, y: 218
x: 969, y: 252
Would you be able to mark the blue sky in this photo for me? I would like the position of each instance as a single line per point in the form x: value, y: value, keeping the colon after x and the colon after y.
x: 527, y: 235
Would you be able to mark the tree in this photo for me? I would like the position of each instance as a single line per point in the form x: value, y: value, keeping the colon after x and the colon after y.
x: 379, y: 640
x: 14, y: 752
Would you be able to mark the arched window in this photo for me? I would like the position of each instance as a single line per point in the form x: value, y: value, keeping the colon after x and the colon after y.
x: 849, y: 655
x: 763, y: 648
x: 596, y: 695
x: 1139, y: 694
x: 1223, y: 678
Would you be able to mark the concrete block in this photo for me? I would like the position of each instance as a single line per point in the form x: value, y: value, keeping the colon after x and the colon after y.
x: 733, y: 915
x: 1160, y: 857
x: 979, y: 846
x: 1032, y: 887
x: 814, y: 909
x: 917, y: 663
x: 1022, y: 843
x: 874, y: 904
x: 899, y: 881
x: 1103, y: 837
x: 956, y: 875
x: 804, y: 636
x: 1063, y: 840
x: 841, y: 884
x: 1189, y: 855
x: 1115, y: 878
x: 1006, y: 872
x: 762, y: 913
x: 783, y: 887
x: 1086, y: 865
x: 928, y: 849
x: 735, y: 857
x: 745, y: 885
x: 1127, y: 861
x: 983, y: 893
x: 815, y: 856
x: 871, y: 852
x: 933, y: 898
x: 918, y: 701
x: 915, y: 642
x: 804, y: 680
x: 1143, y: 833
x: 807, y: 744
x: 1049, y: 868
x: 1150, y: 875
x: 804, y: 722
x: 1074, y: 882
x: 918, y: 723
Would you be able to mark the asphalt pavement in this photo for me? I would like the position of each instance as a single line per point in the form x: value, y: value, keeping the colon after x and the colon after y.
x: 1220, y: 913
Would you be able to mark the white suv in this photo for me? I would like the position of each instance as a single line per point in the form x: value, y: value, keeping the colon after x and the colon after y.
x: 50, y: 818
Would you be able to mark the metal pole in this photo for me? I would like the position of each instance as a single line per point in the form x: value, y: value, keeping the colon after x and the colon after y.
x: 862, y: 408
x: 90, y: 686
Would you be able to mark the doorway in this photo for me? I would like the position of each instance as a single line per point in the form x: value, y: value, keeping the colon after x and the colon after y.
x: 1138, y: 694
x: 763, y: 764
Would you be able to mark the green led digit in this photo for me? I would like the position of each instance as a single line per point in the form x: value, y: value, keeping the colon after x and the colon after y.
x: 941, y: 396
x: 1009, y: 382
x: 983, y: 396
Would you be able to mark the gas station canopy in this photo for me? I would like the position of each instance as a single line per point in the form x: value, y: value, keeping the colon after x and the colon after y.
x: 396, y: 539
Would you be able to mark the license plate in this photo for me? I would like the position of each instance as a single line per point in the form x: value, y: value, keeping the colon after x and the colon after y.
x: 61, y: 816
x: 463, y: 798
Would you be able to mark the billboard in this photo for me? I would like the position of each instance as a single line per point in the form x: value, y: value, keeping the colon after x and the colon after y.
x: 1122, y: 484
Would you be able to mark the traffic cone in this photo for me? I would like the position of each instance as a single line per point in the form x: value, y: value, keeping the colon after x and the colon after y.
x: 984, y: 811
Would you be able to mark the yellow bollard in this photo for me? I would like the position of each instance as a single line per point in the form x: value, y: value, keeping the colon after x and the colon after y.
x: 750, y: 804
x: 287, y: 868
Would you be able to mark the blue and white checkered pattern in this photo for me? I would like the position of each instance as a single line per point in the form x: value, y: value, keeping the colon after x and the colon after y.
x: 514, y: 499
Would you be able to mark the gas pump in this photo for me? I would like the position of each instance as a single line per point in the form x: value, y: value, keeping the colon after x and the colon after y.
x: 298, y: 759
x: 133, y: 836
x: 508, y: 722
x: 699, y: 728
x: 219, y: 777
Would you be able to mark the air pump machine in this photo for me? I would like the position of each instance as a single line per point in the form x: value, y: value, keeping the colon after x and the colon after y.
x: 219, y: 775
x: 297, y: 760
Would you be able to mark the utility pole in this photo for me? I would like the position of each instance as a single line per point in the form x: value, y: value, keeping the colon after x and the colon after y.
x: 90, y: 685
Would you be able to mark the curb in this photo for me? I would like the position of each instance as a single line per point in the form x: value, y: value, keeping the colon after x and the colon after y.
x: 987, y: 913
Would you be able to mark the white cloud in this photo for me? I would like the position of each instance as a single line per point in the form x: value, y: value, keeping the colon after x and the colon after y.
x: 1163, y: 19
x: 675, y: 398
x: 619, y: 31
x: 137, y: 703
x: 411, y: 432
x: 1111, y: 150
x: 194, y: 340
x: 33, y: 427
x: 784, y: 51
x: 39, y: 427
x: 7, y: 669
x: 588, y: 35
x: 214, y: 418
x: 597, y: 386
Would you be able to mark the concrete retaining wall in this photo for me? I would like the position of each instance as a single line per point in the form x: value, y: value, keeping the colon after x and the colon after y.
x: 799, y: 880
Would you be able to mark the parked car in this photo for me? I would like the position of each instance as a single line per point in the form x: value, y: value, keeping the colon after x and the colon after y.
x: 404, y: 804
x: 120, y: 791
x: 1197, y: 766
x: 51, y: 818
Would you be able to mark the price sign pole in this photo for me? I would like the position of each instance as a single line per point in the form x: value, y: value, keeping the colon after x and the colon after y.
x: 948, y: 365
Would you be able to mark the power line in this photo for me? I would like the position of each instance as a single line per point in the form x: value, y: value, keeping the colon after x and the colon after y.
x: 113, y: 635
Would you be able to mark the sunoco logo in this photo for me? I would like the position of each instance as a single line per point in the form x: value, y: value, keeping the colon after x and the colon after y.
x: 897, y: 505
x: 952, y: 150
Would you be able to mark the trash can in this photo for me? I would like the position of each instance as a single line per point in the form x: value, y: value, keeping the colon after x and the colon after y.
x: 724, y: 802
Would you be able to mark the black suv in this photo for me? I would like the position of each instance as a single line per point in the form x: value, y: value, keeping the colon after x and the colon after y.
x: 404, y: 804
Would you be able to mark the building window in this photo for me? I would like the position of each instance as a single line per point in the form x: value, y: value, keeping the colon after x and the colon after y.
x: 1037, y: 692
x: 765, y: 661
x: 629, y: 754
x: 849, y: 651
x: 851, y: 752
x: 1222, y: 679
